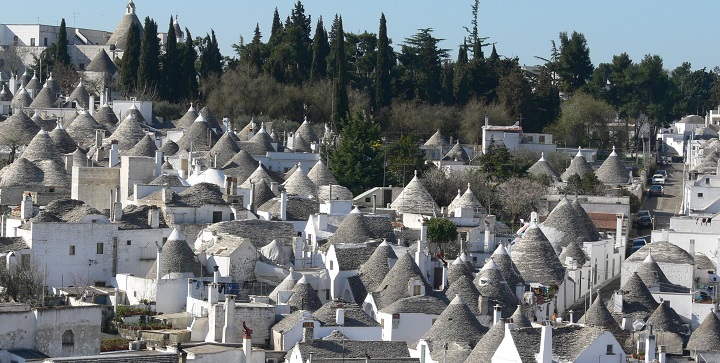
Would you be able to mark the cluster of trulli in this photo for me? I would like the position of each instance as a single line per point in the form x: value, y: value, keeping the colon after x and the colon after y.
x: 707, y: 158
x: 437, y: 148
x: 612, y: 171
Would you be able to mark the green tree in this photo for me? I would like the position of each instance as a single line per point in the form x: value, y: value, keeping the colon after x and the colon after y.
x: 210, y: 57
x: 573, y: 64
x: 441, y: 230
x: 171, y: 66
x: 447, y: 95
x: 130, y: 63
x: 514, y: 93
x: 357, y: 160
x: 255, y: 56
x: 320, y: 52
x: 461, y: 89
x: 341, y: 103
x: 61, y: 47
x: 422, y: 60
x: 402, y: 158
x: 546, y: 100
x: 189, y: 85
x: 588, y: 184
x: 520, y: 196
x: 149, y: 67
x: 297, y: 36
x: 383, y: 90
x: 584, y: 120
x: 498, y: 162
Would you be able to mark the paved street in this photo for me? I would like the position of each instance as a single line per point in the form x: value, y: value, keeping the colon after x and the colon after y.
x: 662, y: 208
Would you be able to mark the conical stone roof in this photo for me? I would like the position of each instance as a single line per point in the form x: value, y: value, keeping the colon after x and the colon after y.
x: 665, y: 318
x: 394, y: 285
x: 467, y: 200
x: 145, y: 147
x: 456, y: 324
x: 414, y: 198
x: 464, y: 288
x: 575, y: 251
x: 492, y: 286
x: 637, y: 299
x: 102, y: 64
x: 198, y: 137
x: 128, y: 133
x: 321, y: 175
x: 542, y: 167
x: 306, y: 132
x: 259, y: 174
x: 653, y: 276
x: 81, y: 97
x: 352, y: 229
x: 83, y: 129
x: 488, y: 344
x: 563, y: 226
x: 375, y: 269
x: 106, y: 117
x: 706, y: 338
x: 210, y: 118
x: 263, y: 193
x: 457, y: 153
x: 436, y: 140
x: 259, y: 144
x: 241, y: 166
x: 120, y: 35
x: 457, y: 269
x: 20, y: 173
x: 243, y: 135
x: 177, y: 257
x: 588, y: 224
x: 300, y: 184
x: 80, y: 158
x: 304, y: 297
x: 334, y: 192
x: 520, y: 318
x: 169, y: 148
x: 536, y: 260
x: 34, y: 84
x: 224, y: 149
x: 41, y: 148
x: 21, y: 99
x: 53, y: 84
x: 187, y: 119
x: 62, y: 140
x: 45, y: 99
x: 598, y: 315
x: 18, y: 128
x: 578, y: 165
x: 5, y: 93
x: 507, y: 267
x: 54, y: 173
x: 612, y: 170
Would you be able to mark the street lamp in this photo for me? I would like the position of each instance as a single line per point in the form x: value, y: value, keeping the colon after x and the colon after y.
x: 384, y: 159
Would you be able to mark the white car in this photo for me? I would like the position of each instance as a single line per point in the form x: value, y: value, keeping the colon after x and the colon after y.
x: 658, y: 179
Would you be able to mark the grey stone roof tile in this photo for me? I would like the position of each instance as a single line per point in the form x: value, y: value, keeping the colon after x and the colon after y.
x: 416, y: 305
x: 187, y: 119
x: 145, y: 147
x: 414, y: 198
x: 662, y: 252
x: 488, y: 344
x: 613, y: 171
x: 536, y: 260
x: 456, y: 324
x: 304, y: 297
x: 578, y: 165
x: 706, y: 338
x: 394, y: 286
x: 102, y: 64
x: 354, y: 315
x: 128, y: 133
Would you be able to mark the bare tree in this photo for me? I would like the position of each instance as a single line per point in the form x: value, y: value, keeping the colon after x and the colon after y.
x: 22, y: 283
x: 520, y: 196
x: 11, y: 58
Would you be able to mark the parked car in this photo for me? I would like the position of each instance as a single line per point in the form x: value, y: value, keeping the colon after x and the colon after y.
x: 638, y: 243
x: 656, y: 191
x: 658, y: 179
x: 644, y: 222
x: 643, y: 212
x: 662, y: 172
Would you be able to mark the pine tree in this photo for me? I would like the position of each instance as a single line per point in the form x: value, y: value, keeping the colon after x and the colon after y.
x: 61, y: 47
x: 276, y: 32
x: 149, y: 69
x: 210, y: 57
x: 131, y: 61
x: 321, y: 49
x: 461, y: 89
x: 342, y: 106
x: 357, y: 161
x: 297, y: 32
x: 255, y: 54
x: 447, y: 95
x: 190, y: 86
x: 171, y: 67
x: 383, y: 90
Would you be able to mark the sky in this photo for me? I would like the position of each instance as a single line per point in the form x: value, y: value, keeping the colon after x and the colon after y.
x: 678, y: 31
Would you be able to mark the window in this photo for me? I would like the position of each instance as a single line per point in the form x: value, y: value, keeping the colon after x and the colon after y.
x: 541, y: 139
x: 128, y: 243
x: 32, y: 42
x: 416, y: 290
x: 331, y: 264
x: 68, y: 338
x: 82, y: 66
x: 51, y: 190
x: 15, y: 40
x: 609, y: 350
x: 217, y: 217
x: 700, y: 195
x: 100, y: 247
x: 382, y: 323
x: 474, y: 259
x: 45, y: 42
x: 367, y: 200
x: 72, y: 250
x: 327, y: 294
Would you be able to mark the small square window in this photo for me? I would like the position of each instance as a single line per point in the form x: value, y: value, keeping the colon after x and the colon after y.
x: 700, y: 195
x: 367, y: 200
x: 72, y: 250
x: 82, y: 66
x: 609, y: 350
x: 217, y: 216
x: 100, y: 247
x: 32, y: 42
x: 129, y: 242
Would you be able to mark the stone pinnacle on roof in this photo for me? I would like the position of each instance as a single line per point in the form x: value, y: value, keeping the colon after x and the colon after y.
x: 456, y: 324
x: 542, y: 167
x: 564, y: 226
x: 536, y: 260
x: 520, y: 319
x: 321, y: 175
x: 599, y: 315
x: 120, y: 35
x: 507, y: 267
x: 414, y: 198
x: 300, y: 184
x: 304, y: 297
x: 394, y: 285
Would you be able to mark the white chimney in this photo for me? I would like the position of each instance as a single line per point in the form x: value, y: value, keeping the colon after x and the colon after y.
x: 662, y: 354
x: 99, y: 135
x: 167, y: 195
x: 158, y: 261
x: 572, y: 316
x: 91, y: 105
x: 545, y: 344
x: 228, y: 334
x: 213, y: 293
x: 497, y: 313
x: 618, y: 301
x: 154, y: 217
x: 114, y: 155
x: 68, y: 163
x: 283, y: 205
x: 423, y: 232
x: 340, y: 316
x: 158, y: 162
x: 487, y: 120
x: 216, y: 274
x: 247, y: 346
x: 650, y: 346
x: 115, y: 303
x: 26, y: 208
x: 299, y: 251
x: 444, y: 277
x: 251, y: 202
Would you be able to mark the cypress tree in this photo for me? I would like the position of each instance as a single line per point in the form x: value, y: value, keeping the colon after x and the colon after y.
x: 297, y: 33
x: 276, y: 30
x: 216, y: 64
x: 342, y: 106
x: 189, y: 73
x: 321, y: 49
x: 131, y: 61
x: 461, y: 89
x: 171, y: 66
x: 447, y: 94
x: 255, y: 53
x: 61, y: 47
x: 149, y: 69
x: 383, y: 91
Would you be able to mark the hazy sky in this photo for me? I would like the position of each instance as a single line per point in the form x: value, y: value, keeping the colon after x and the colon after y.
x: 677, y: 31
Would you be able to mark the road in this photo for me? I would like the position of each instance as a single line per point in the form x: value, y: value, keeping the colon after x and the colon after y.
x: 662, y: 208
